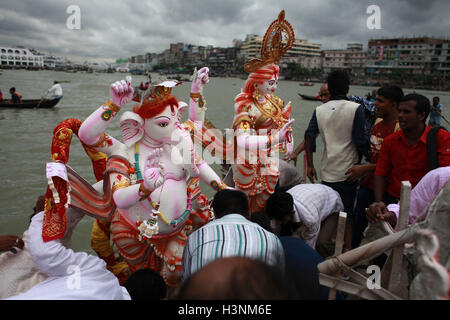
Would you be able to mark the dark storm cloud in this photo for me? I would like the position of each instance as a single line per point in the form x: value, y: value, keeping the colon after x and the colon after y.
x: 112, y: 29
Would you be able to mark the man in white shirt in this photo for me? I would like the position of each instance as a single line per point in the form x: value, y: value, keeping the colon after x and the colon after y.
x: 421, y: 197
x: 71, y: 275
x: 55, y: 92
x: 305, y: 206
x: 342, y: 125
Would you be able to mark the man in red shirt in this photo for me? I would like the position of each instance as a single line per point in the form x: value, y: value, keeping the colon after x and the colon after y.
x: 404, y: 156
x: 386, y: 102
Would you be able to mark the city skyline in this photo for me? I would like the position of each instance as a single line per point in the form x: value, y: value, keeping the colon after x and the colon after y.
x: 122, y: 29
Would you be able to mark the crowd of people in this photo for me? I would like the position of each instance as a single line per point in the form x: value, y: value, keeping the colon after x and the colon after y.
x: 369, y: 149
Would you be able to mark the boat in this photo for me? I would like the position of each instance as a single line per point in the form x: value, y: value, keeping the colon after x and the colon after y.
x: 30, y: 104
x: 307, y: 97
x: 306, y: 84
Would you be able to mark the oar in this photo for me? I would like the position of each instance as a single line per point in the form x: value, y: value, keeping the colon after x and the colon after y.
x: 440, y: 113
x: 42, y: 99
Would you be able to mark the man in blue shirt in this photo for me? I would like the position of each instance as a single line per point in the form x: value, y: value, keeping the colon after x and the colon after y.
x: 435, y: 113
x: 15, y: 96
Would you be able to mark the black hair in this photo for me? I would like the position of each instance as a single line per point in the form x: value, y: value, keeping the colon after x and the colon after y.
x: 279, y: 205
x: 146, y: 284
x: 55, y: 82
x: 39, y: 206
x: 250, y: 280
x: 12, y: 89
x: 258, y: 282
x: 422, y: 103
x: 262, y: 219
x: 338, y: 83
x: 391, y: 92
x: 436, y: 98
x: 230, y: 201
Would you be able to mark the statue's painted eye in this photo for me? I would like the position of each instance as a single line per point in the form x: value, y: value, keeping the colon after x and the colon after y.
x: 163, y: 124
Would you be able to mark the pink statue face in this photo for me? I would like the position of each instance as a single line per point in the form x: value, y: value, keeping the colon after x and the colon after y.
x: 161, y: 127
x: 269, y: 86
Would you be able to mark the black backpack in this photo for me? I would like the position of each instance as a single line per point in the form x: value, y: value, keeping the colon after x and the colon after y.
x: 432, y: 147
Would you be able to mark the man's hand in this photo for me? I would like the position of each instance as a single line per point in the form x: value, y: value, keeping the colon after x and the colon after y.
x: 291, y: 157
x: 311, y: 173
x: 356, y: 172
x: 10, y: 243
x: 377, y: 211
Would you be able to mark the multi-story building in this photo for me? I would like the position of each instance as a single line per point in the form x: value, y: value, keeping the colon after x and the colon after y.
x: 251, y: 48
x: 141, y: 59
x: 333, y: 59
x: 50, y: 62
x: 352, y: 59
x: 222, y: 60
x: 422, y: 55
x: 20, y: 57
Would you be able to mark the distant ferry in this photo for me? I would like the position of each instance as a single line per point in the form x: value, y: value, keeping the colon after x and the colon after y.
x: 123, y: 70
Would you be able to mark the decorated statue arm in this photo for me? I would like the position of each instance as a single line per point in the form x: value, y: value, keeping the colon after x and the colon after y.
x: 245, y: 140
x: 92, y: 131
x: 197, y: 102
x: 210, y: 177
x: 290, y: 138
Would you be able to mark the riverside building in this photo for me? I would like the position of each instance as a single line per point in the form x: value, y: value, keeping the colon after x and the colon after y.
x: 352, y: 59
x: 20, y: 57
x: 251, y: 48
x: 421, y: 55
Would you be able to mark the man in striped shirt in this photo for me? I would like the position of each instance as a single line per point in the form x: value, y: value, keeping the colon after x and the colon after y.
x: 231, y: 234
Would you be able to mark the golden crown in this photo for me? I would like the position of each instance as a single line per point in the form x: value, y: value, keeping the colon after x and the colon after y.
x: 278, y: 39
x: 159, y: 90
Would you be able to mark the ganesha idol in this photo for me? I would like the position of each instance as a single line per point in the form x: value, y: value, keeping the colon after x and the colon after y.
x: 147, y: 191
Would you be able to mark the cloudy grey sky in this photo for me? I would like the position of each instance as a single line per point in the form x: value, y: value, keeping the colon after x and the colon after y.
x: 115, y: 29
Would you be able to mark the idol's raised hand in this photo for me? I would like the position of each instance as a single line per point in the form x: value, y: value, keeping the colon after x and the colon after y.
x: 200, y: 80
x: 121, y: 92
x: 285, y: 133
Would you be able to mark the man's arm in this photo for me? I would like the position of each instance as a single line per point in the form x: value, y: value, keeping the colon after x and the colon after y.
x: 383, y: 170
x: 359, y: 170
x: 310, y: 146
x: 10, y: 243
x: 358, y: 133
x: 312, y: 131
x: 52, y: 257
x: 379, y: 186
x: 294, y: 155
x: 377, y: 211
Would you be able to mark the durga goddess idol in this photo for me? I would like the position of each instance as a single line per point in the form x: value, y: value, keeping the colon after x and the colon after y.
x: 261, y: 121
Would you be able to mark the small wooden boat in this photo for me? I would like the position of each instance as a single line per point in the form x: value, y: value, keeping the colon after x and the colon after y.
x: 30, y: 104
x: 307, y: 97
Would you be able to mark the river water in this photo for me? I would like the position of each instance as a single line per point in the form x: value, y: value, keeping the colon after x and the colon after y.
x: 25, y: 135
